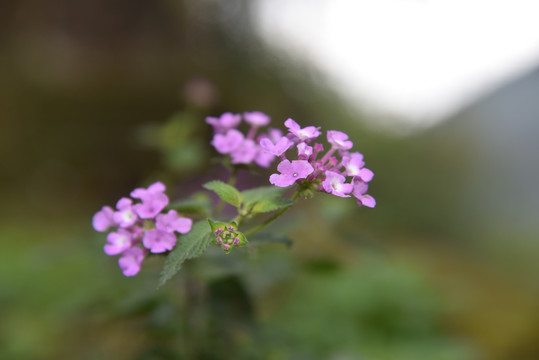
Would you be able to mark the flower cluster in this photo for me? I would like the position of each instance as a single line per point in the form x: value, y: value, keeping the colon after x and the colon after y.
x: 327, y: 171
x: 243, y: 149
x: 140, y: 227
x: 227, y: 235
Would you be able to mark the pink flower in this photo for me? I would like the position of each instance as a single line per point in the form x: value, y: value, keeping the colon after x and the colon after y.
x: 304, y: 151
x: 264, y: 159
x: 278, y: 148
x: 335, y: 184
x: 225, y: 122
x: 131, y: 260
x: 256, y: 118
x: 153, y: 200
x: 118, y: 242
x: 339, y: 140
x: 306, y: 134
x: 125, y: 216
x: 290, y: 172
x: 244, y: 153
x: 103, y: 219
x: 158, y: 241
x: 360, y: 192
x: 226, y: 143
x: 353, y: 162
x: 171, y: 222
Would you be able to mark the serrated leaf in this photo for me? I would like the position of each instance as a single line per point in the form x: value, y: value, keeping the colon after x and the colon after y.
x: 198, y: 203
x: 271, y: 205
x: 226, y: 192
x: 252, y: 196
x: 191, y: 245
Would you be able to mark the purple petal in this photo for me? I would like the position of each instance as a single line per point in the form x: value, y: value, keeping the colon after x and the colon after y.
x: 334, y: 184
x: 131, y: 260
x: 228, y: 142
x: 366, y: 200
x: 245, y: 153
x: 365, y: 174
x: 225, y: 122
x: 339, y: 140
x: 256, y: 118
x: 264, y: 158
x: 183, y: 225
x: 278, y: 148
x: 304, y: 151
x: 118, y: 242
x: 306, y: 134
x: 125, y: 216
x: 290, y: 172
x: 353, y: 163
x: 158, y: 241
x: 103, y: 219
x: 152, y: 205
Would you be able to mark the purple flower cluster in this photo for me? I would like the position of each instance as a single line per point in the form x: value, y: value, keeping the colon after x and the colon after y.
x: 328, y: 171
x: 243, y: 149
x: 140, y: 227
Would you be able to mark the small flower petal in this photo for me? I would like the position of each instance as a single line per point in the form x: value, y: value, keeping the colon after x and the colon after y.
x: 339, y: 140
x: 158, y: 241
x: 103, y: 219
x: 256, y: 118
x: 131, y: 261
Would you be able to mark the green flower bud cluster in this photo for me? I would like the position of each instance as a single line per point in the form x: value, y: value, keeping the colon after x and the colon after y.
x: 227, y: 235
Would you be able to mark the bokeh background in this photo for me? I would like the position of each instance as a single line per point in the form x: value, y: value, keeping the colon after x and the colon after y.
x: 98, y: 97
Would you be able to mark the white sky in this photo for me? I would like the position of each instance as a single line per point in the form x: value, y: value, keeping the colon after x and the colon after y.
x: 419, y: 59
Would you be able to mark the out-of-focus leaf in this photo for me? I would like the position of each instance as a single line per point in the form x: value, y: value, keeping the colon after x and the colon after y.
x: 189, y: 246
x: 198, y: 203
x: 258, y: 194
x: 226, y: 192
x: 271, y: 205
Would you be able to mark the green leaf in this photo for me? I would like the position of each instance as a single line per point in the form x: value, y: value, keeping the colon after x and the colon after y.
x: 226, y: 192
x: 191, y: 245
x: 271, y: 205
x: 198, y: 203
x: 258, y: 194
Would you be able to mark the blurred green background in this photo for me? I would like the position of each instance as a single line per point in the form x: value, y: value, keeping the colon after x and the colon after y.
x: 99, y: 97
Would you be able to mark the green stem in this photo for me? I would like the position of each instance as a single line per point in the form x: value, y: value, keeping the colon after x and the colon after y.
x: 271, y: 219
x: 232, y: 182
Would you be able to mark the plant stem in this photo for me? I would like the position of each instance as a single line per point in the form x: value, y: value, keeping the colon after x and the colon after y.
x: 271, y: 219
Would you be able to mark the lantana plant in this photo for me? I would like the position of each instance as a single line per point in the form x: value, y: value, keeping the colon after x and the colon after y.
x: 304, y: 166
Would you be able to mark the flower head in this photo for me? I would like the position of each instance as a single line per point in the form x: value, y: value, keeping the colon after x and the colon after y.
x: 290, y: 172
x: 118, y: 242
x: 140, y: 227
x: 339, y: 140
x: 103, y: 219
x: 335, y: 184
x: 225, y: 122
x: 125, y: 216
x: 153, y: 200
x: 171, y: 222
x: 131, y: 261
x: 306, y: 134
x: 278, y: 148
x: 158, y: 241
x: 226, y: 143
x: 256, y: 118
x: 360, y: 192
x: 244, y: 153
